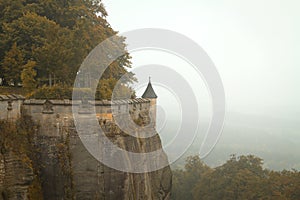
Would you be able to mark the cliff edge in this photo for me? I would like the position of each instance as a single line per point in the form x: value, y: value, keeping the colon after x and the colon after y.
x: 56, y: 165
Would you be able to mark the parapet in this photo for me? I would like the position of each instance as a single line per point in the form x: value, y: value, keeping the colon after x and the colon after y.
x: 12, y: 97
x: 55, y: 114
x: 13, y: 106
x: 10, y: 106
x: 67, y: 102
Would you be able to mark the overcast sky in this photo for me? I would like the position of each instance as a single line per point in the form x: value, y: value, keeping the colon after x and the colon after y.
x: 255, y: 44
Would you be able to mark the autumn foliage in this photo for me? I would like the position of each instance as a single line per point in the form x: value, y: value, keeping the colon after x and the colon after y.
x: 47, y: 40
x: 240, y: 177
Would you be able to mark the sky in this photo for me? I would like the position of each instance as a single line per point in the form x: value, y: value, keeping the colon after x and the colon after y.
x: 255, y: 46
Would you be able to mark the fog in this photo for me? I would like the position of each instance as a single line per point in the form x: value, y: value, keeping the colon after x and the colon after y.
x: 255, y: 46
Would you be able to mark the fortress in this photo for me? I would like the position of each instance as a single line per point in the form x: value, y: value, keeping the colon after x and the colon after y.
x: 13, y: 106
x: 66, y: 167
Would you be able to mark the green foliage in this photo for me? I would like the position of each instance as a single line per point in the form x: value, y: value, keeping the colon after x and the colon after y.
x: 60, y: 91
x: 239, y: 178
x: 57, y: 35
x: 110, y: 89
x: 28, y: 76
x: 12, y: 64
x: 55, y: 92
x: 185, y: 180
x: 83, y: 93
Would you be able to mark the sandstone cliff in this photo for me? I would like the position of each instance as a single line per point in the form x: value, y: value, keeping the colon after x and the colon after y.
x: 71, y: 172
x: 56, y: 165
x: 18, y: 172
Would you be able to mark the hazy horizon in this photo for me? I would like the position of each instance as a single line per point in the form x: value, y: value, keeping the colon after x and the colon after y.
x: 254, y: 46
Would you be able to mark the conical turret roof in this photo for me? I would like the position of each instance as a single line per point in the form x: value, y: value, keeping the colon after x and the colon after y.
x: 149, y: 92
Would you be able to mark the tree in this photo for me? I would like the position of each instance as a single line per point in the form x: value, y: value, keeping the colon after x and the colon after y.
x: 58, y: 35
x: 239, y: 178
x: 12, y: 64
x: 185, y: 180
x: 285, y: 184
x: 28, y: 76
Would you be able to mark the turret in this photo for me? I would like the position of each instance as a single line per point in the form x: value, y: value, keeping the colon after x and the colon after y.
x: 150, y: 94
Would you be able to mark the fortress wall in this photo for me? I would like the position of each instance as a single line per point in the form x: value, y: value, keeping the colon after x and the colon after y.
x: 53, y: 115
x: 91, y: 179
x: 10, y: 106
x: 68, y: 168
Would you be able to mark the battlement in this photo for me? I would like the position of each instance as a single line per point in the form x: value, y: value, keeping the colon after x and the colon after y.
x: 12, y: 97
x: 68, y: 102
x: 56, y: 113
x: 10, y: 106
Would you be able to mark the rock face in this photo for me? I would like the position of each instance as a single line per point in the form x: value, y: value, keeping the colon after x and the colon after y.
x: 18, y: 170
x: 66, y: 170
x: 70, y: 171
x: 16, y: 176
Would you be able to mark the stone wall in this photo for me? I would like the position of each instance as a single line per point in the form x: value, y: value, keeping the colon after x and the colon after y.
x: 10, y: 106
x: 55, y: 114
x: 69, y: 171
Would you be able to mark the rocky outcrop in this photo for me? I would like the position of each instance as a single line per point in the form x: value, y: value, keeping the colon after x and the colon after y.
x: 18, y: 169
x: 16, y: 176
x: 71, y: 172
x: 49, y: 160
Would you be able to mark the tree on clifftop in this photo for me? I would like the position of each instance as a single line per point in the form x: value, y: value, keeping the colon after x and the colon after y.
x: 57, y: 35
x: 28, y: 76
x: 12, y: 64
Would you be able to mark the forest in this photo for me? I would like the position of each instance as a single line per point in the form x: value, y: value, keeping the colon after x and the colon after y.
x: 241, y: 177
x: 43, y: 43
